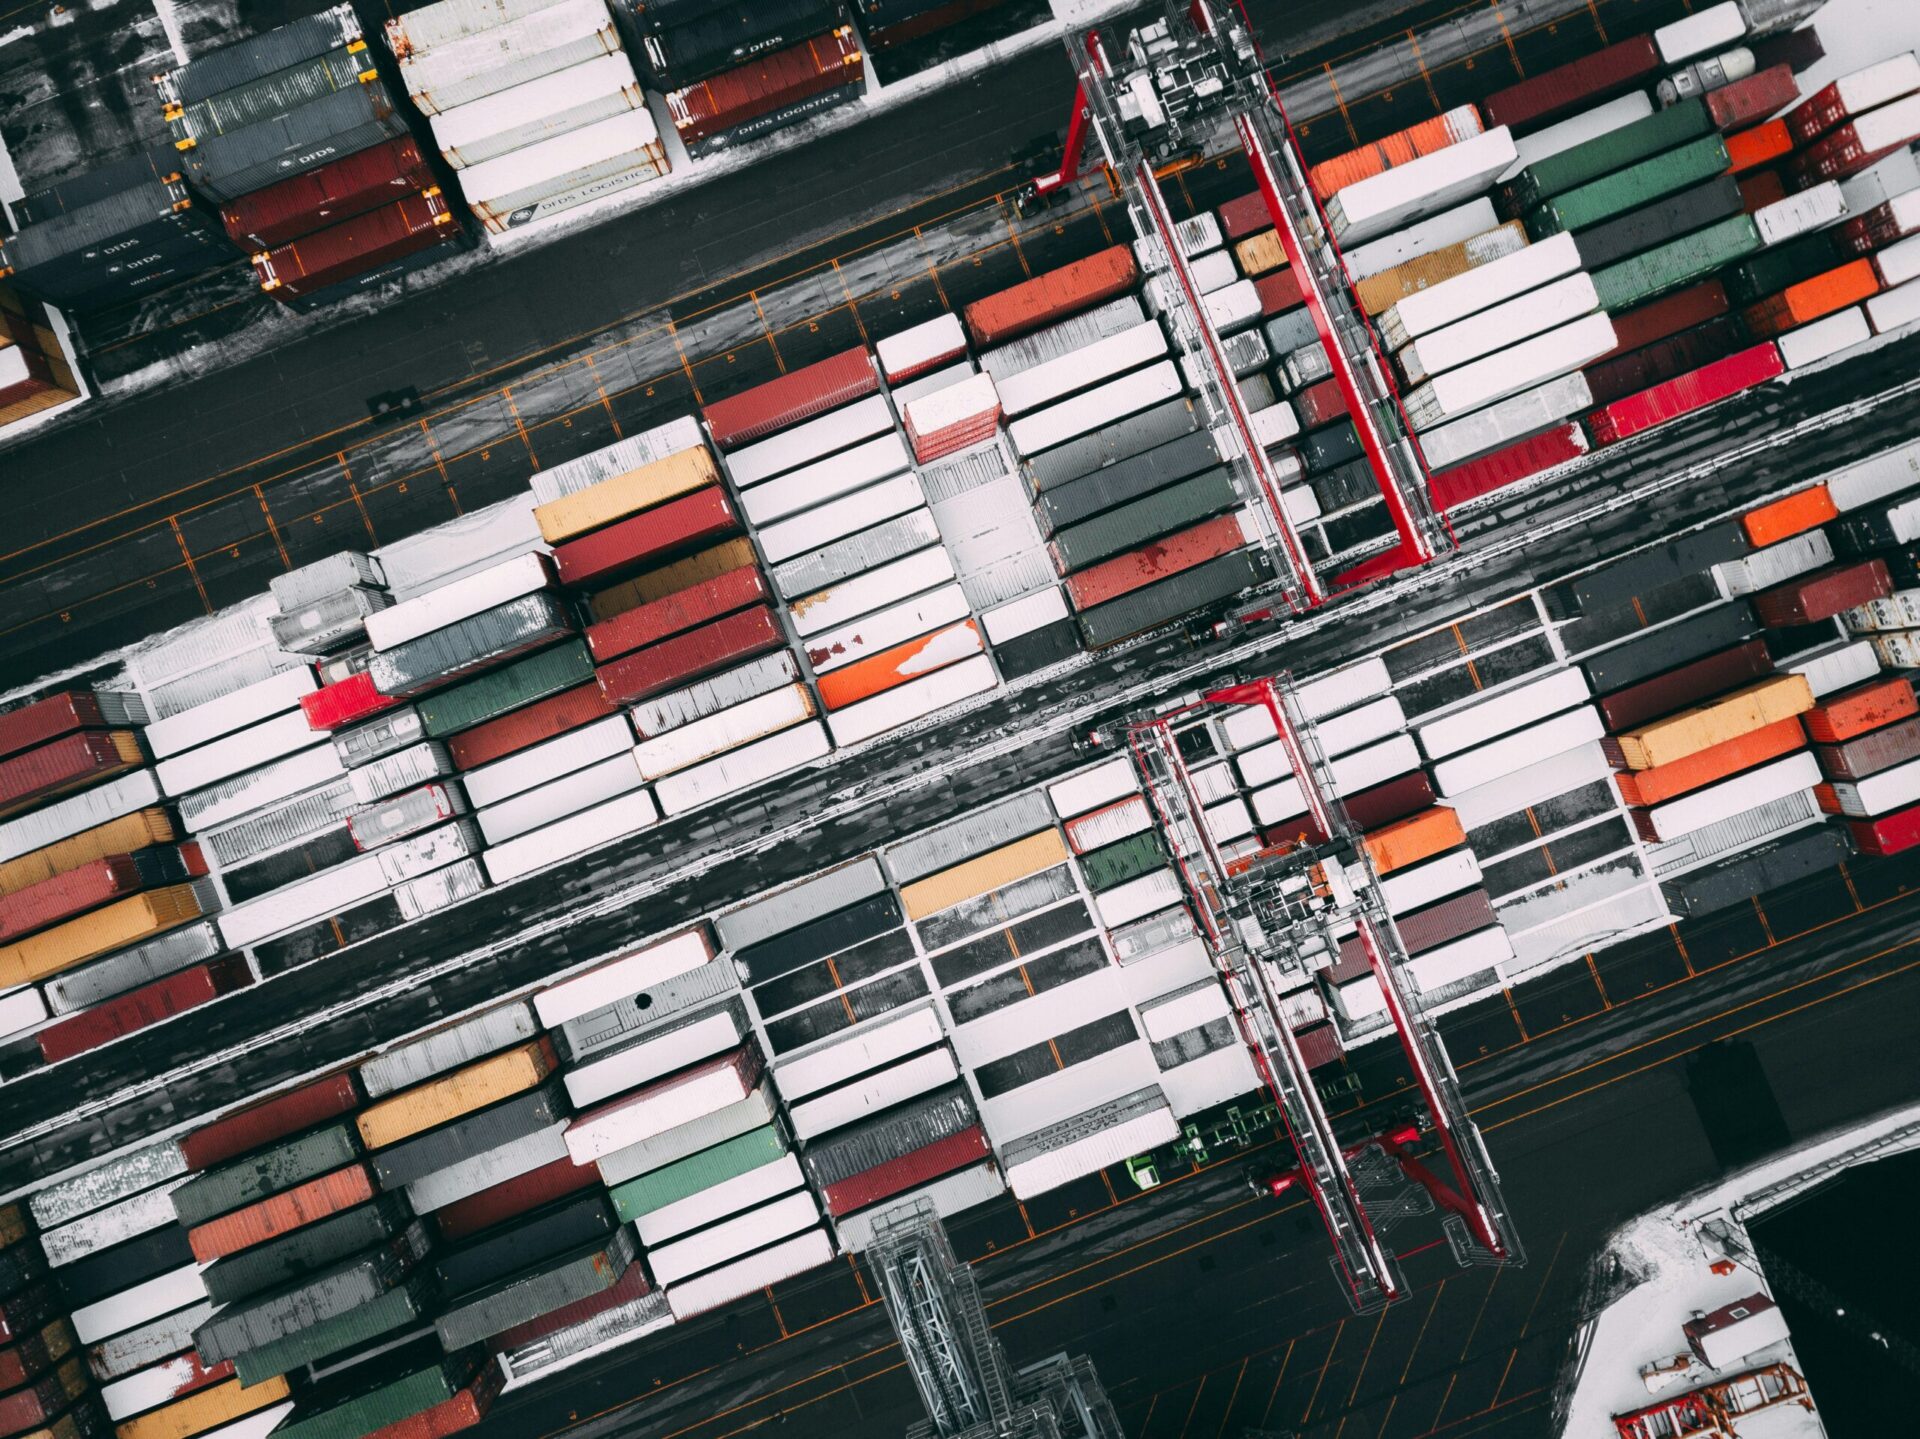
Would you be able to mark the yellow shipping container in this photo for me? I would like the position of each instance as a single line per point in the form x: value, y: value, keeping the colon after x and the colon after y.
x: 201, y: 1411
x: 439, y: 1101
x: 1380, y: 293
x: 671, y: 579
x: 114, y: 926
x: 984, y: 872
x: 1665, y: 740
x: 116, y: 836
x: 1260, y: 253
x: 626, y: 494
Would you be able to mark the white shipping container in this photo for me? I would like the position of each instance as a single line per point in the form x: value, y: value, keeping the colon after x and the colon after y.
x: 1508, y: 710
x: 615, y: 980
x: 575, y: 835
x: 1729, y: 797
x: 1898, y: 651
x: 466, y: 68
x: 1881, y: 793
x: 449, y: 20
x: 330, y: 892
x: 1087, y: 1143
x: 1542, y: 780
x: 1232, y: 309
x: 728, y: 730
x: 861, y: 1098
x: 1229, y: 820
x: 1351, y: 685
x: 1522, y: 367
x: 20, y: 1010
x: 949, y: 1195
x: 835, y: 1063
x: 1421, y: 188
x: 1275, y: 425
x: 651, y: 1059
x: 432, y: 893
x: 151, y: 1387
x: 891, y: 626
x: 566, y: 100
x: 1876, y: 477
x: 1700, y: 33
x: 1103, y: 784
x: 1278, y: 803
x: 1578, y: 130
x: 1374, y: 765
x: 1894, y: 309
x: 466, y: 597
x: 149, y: 1343
x: 400, y: 770
x: 1874, y: 85
x: 814, y: 484
x: 879, y: 587
x: 143, y: 1302
x: 1506, y: 324
x: 1503, y: 757
x: 839, y: 518
x: 1512, y: 419
x: 1889, y: 126
x: 750, y: 1275
x: 261, y: 700
x: 1109, y: 825
x: 1214, y: 271
x: 596, y: 784
x: 585, y: 471
x: 1799, y: 214
x: 742, y: 768
x: 1899, y: 262
x: 546, y: 762
x: 251, y: 748
x: 754, y: 1112
x: 1045, y: 383
x: 1476, y: 217
x: 1101, y: 406
x: 128, y: 1219
x: 1452, y: 962
x: 810, y: 440
x: 561, y: 166
x: 912, y: 700
x: 919, y: 349
x: 1406, y: 890
x: 638, y: 1117
x: 228, y: 801
x: 1199, y: 1003
x: 66, y: 817
x: 1774, y: 565
x: 1137, y: 898
x: 747, y: 1191
x: 709, y: 696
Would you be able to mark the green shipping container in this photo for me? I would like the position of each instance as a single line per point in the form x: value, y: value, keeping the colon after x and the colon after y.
x: 1676, y: 263
x: 294, y: 1161
x: 1115, y: 864
x: 684, y: 1177
x: 1602, y: 155
x: 1131, y: 526
x: 503, y: 690
x: 1628, y: 189
x: 412, y: 1303
x: 1166, y: 600
x: 388, y: 1403
x: 1798, y: 259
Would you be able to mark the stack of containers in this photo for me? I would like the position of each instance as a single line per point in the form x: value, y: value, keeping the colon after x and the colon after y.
x: 769, y: 92
x: 886, y: 23
x: 533, y: 102
x: 44, y: 1379
x: 276, y: 128
x: 689, y: 41
x: 34, y: 373
x: 1867, y: 740
x: 90, y: 874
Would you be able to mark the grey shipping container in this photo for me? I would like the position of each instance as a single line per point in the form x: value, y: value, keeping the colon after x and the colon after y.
x: 1671, y: 645
x: 488, y: 1168
x: 499, y: 1124
x: 972, y: 834
x: 1666, y: 563
x: 408, y: 1304
x: 873, y: 1142
x: 419, y: 1060
x: 314, y: 1299
x: 475, y: 644
x: 282, y: 826
x: 128, y: 969
x: 146, y: 1344
x: 390, y: 732
x: 1213, y: 583
x: 613, y: 1026
x: 1680, y: 214
x: 1081, y: 498
x: 256, y: 1176
x: 1064, y: 338
x: 304, y: 1250
x: 1292, y: 331
x: 338, y: 571
x: 1132, y: 525
x: 856, y: 554
x: 93, y: 1277
x: 661, y: 713
x: 270, y: 95
x: 157, y: 161
x: 633, y: 1316
x: 1737, y: 880
x: 225, y: 167
x: 830, y: 934
x: 761, y: 919
x: 530, y: 1294
x: 327, y: 623
x: 128, y: 244
x: 1344, y: 485
x: 1113, y: 443
x: 263, y: 54
x: 119, y: 1177
x: 572, y: 1224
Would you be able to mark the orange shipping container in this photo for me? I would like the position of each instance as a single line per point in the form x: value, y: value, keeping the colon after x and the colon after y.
x: 1396, y: 149
x: 1860, y: 709
x: 117, y: 836
x: 200, y: 1412
x: 1826, y: 798
x: 280, y: 1213
x: 1790, y: 515
x: 1807, y: 301
x: 1662, y: 741
x: 879, y: 673
x: 1716, y: 762
x: 115, y: 926
x: 1417, y: 837
x: 440, y: 1101
x: 1260, y: 253
x: 1012, y: 312
x: 1755, y: 147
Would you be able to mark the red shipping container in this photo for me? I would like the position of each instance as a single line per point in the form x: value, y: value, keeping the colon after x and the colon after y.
x: 43, y: 1400
x: 1760, y: 188
x: 1809, y: 300
x: 795, y: 396
x: 64, y: 764
x: 882, y: 35
x: 890, y: 668
x: 686, y: 657
x: 1823, y: 594
x: 769, y: 83
x: 1279, y: 290
x: 1872, y: 752
x: 1012, y: 312
x: 1695, y: 391
x: 1867, y: 232
x: 1862, y: 709
x: 1889, y: 834
x: 1396, y: 799
x: 1442, y: 923
x: 1155, y: 560
x: 1519, y: 461
x: 1663, y: 360
x: 1763, y: 93
x: 1319, y: 1045
x: 1843, y: 153
x: 1245, y: 216
x: 1320, y: 404
x: 353, y: 699
x: 917, y: 1167
x: 27, y: 1311
x: 1818, y: 113
x: 47, y: 719
x: 1689, y: 684
x: 276, y: 1118
x: 647, y: 538
x: 97, y: 882
x: 1668, y: 315
x: 336, y: 191
x: 450, y: 1416
x: 1574, y: 85
x: 281, y: 1213
x: 143, y: 1007
x: 1381, y: 155
x: 352, y: 247
x: 631, y: 1285
x: 648, y: 623
x: 511, y: 1198
x: 1761, y: 145
x: 529, y: 725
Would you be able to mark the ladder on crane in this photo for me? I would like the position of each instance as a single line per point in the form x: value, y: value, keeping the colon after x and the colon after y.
x: 1712, y: 1411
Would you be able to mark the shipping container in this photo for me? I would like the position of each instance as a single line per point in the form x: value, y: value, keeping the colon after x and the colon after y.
x: 156, y: 234
x: 1450, y: 300
x: 793, y: 397
x: 301, y: 1252
x: 1507, y: 467
x: 1497, y: 377
x: 1051, y: 296
x: 768, y: 93
x: 1696, y: 390
x: 1449, y: 445
x: 570, y: 837
x: 746, y: 766
x: 488, y: 697
x: 522, y: 728
x: 1679, y: 262
x: 1496, y: 328
x: 585, y: 788
x: 1593, y: 76
x: 115, y: 926
x: 1717, y: 802
x: 1650, y: 786
x: 224, y: 167
x: 565, y: 170
x: 1854, y: 94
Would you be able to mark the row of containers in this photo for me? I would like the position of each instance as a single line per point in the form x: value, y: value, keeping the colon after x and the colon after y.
x: 1008, y: 1002
x: 295, y: 148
